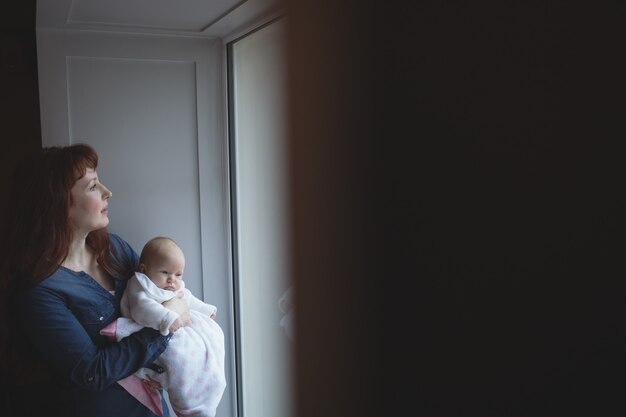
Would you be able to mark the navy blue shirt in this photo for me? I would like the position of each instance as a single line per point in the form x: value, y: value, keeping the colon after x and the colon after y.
x: 62, y: 317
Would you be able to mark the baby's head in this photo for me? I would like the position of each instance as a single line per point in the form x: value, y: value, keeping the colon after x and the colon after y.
x: 163, y: 262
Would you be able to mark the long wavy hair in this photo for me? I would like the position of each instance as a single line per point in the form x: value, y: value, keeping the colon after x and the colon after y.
x: 37, y: 231
x: 39, y: 228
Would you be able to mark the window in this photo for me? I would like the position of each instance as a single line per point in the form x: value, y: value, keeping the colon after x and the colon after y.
x: 257, y: 129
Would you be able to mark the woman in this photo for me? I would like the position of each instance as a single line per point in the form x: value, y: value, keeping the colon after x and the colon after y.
x: 66, y: 275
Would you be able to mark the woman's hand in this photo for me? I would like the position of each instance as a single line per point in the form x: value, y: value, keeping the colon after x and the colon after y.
x: 178, y: 305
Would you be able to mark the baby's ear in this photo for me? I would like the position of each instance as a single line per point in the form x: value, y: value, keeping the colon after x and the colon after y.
x: 142, y: 268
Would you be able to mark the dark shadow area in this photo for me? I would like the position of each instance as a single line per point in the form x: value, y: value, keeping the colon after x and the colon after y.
x: 19, y: 102
x: 21, y: 133
x: 459, y: 208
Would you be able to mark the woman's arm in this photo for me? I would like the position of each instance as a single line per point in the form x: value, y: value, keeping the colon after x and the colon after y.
x: 65, y: 344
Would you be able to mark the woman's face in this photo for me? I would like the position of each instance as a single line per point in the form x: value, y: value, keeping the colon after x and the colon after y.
x: 89, y: 210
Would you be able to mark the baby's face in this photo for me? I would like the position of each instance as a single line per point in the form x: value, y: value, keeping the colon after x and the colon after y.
x: 166, y: 272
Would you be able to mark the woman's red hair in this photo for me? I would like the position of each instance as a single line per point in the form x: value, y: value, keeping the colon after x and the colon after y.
x: 39, y: 232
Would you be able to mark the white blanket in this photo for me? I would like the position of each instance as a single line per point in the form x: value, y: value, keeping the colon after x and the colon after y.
x: 194, y: 376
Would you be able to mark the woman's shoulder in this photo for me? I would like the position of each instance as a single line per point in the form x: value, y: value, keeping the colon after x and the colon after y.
x: 124, y: 253
x: 120, y: 244
x: 116, y: 239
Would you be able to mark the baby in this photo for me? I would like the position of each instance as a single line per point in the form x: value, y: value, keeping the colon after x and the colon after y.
x: 191, y: 369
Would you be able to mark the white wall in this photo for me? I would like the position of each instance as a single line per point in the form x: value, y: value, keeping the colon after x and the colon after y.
x: 153, y: 108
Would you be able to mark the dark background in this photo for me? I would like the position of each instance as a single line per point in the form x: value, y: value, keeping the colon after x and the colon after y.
x: 458, y: 192
x: 21, y: 133
x: 21, y: 129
